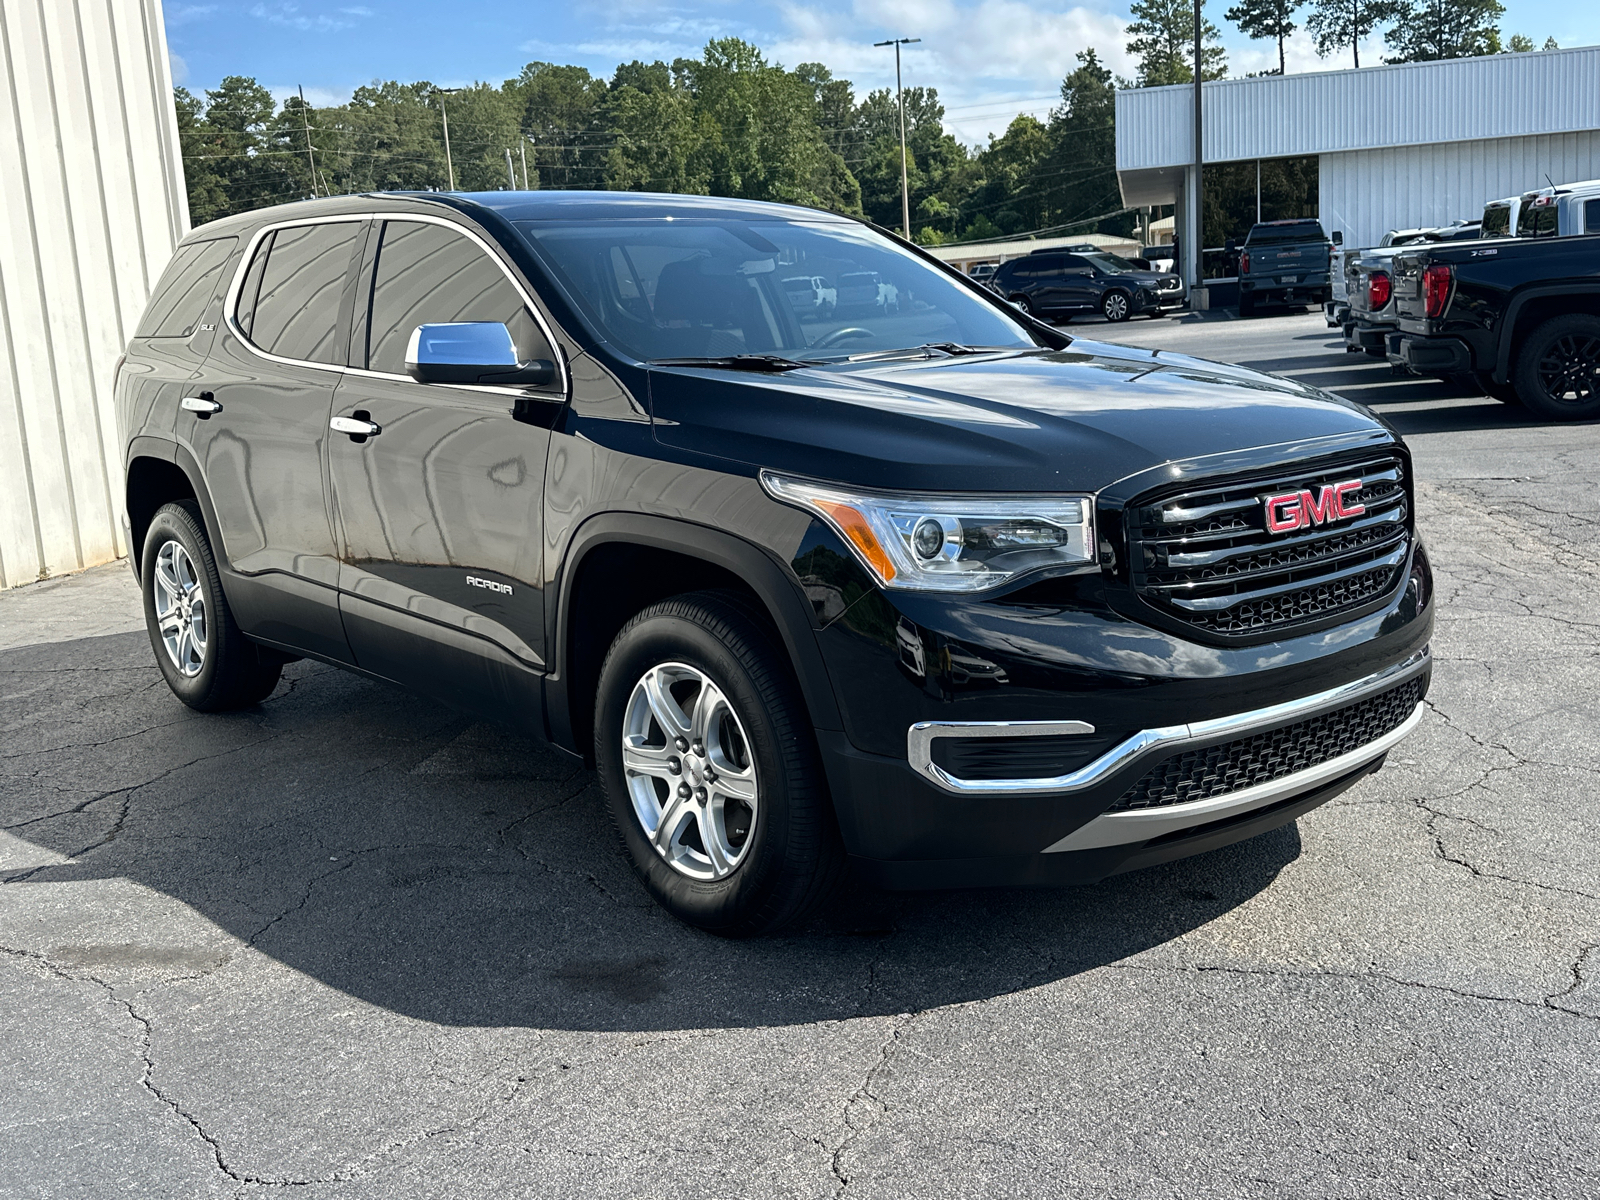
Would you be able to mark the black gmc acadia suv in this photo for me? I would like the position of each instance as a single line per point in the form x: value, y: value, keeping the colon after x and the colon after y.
x: 937, y: 591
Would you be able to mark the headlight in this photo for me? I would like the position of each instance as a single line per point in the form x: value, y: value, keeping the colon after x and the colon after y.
x: 947, y: 543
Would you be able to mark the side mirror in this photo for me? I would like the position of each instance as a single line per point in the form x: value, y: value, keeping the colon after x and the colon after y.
x: 1338, y: 237
x: 471, y: 352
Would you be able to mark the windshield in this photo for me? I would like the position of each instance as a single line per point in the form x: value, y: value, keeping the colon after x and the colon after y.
x: 692, y: 288
x: 1296, y: 231
x: 1111, y: 264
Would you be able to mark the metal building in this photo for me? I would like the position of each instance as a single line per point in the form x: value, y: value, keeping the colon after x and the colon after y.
x: 1398, y: 147
x: 92, y: 203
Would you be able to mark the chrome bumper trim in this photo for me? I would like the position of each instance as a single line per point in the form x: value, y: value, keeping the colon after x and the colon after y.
x: 1140, y: 825
x: 921, y: 736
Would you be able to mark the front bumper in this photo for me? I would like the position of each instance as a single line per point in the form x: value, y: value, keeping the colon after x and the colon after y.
x: 911, y: 675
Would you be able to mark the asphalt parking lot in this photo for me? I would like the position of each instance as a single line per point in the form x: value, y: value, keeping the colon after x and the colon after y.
x: 351, y: 942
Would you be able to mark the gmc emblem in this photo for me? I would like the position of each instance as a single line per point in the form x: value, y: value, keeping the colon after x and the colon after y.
x: 1302, y: 509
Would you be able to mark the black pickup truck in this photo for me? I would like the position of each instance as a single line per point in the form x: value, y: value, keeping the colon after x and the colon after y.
x: 1521, y: 315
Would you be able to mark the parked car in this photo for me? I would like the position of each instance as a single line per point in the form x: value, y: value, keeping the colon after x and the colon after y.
x: 867, y: 292
x: 1521, y: 316
x: 811, y: 295
x: 983, y: 272
x: 1500, y: 218
x: 1285, y: 262
x: 1057, y: 284
x: 1566, y: 211
x: 950, y: 596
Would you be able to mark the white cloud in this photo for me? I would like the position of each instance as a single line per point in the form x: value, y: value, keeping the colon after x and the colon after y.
x: 182, y: 14
x: 982, y: 56
x: 289, y: 15
x: 317, y: 97
x: 179, y: 69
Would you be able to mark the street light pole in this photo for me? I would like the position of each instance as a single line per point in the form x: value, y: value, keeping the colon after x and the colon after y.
x: 1199, y: 209
x: 900, y: 100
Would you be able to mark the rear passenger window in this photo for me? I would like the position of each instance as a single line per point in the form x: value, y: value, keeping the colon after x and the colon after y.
x: 1591, y: 215
x: 186, y: 287
x: 302, y: 272
x: 427, y: 275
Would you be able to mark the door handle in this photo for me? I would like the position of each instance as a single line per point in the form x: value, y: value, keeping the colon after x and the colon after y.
x: 202, y: 405
x: 358, y: 427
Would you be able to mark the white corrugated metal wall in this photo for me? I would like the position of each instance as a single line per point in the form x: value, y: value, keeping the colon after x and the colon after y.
x: 91, y: 204
x: 1278, y: 116
x: 1366, y: 193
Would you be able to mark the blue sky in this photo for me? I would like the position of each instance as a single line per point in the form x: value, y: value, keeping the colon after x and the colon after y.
x: 989, y: 58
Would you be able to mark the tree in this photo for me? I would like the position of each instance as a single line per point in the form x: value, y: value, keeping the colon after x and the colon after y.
x: 1265, y: 19
x: 1162, y: 39
x: 1550, y: 44
x: 1520, y: 43
x: 1436, y: 29
x: 1337, y: 23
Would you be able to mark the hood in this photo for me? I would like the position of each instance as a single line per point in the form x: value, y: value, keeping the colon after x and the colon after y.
x: 1066, y: 420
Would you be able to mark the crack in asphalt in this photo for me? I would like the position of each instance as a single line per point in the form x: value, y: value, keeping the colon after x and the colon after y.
x: 864, y: 1096
x: 1546, y: 1003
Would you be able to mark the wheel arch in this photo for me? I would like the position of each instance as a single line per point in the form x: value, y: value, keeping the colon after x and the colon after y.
x: 1532, y: 308
x: 156, y: 474
x: 651, y: 554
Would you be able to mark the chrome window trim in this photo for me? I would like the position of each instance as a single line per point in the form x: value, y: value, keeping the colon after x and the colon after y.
x: 231, y: 305
x: 920, y: 737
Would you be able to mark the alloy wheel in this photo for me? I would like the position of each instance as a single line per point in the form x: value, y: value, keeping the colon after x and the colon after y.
x: 180, y: 609
x: 1116, y: 306
x: 1569, y: 371
x: 689, y: 770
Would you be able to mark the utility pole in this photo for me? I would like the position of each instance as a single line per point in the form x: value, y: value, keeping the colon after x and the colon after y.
x: 449, y: 164
x: 310, y: 158
x: 522, y: 149
x: 900, y: 97
x: 1197, y: 234
x: 511, y: 175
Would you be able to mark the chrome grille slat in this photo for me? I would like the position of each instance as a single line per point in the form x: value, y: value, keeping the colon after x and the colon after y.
x: 1205, y: 557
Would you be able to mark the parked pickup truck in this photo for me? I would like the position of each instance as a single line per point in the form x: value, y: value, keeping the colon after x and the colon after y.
x: 1285, y: 262
x: 1565, y: 211
x: 1522, y: 315
x: 1369, y: 314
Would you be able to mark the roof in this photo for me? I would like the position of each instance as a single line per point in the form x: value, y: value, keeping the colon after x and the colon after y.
x: 1323, y: 112
x: 601, y: 206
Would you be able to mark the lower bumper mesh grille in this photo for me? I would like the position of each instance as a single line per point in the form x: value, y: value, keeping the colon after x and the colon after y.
x: 1263, y: 757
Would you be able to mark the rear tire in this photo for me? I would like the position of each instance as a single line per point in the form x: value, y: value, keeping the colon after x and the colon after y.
x: 697, y: 697
x: 1558, y: 370
x: 208, y: 663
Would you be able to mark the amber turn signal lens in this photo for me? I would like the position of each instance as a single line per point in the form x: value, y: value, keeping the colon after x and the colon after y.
x: 855, y: 527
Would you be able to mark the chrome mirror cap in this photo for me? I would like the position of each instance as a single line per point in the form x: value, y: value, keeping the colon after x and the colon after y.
x: 480, y: 352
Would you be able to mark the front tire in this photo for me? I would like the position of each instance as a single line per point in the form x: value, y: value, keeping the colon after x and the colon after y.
x: 710, y: 769
x: 208, y: 663
x: 1116, y: 306
x: 1558, y: 370
x: 1025, y: 305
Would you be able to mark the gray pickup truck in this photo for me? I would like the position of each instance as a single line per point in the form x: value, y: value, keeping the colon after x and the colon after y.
x: 1286, y: 262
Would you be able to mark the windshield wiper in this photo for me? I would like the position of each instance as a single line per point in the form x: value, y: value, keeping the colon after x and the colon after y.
x: 735, y: 362
x: 928, y: 349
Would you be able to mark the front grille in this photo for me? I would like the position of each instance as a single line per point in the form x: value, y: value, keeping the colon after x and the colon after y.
x: 1205, y: 557
x: 1263, y: 757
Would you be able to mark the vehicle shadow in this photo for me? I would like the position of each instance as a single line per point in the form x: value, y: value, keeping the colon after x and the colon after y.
x: 457, y: 874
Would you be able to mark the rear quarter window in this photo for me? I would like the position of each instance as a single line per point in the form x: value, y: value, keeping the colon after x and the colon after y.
x: 1591, y: 215
x: 185, y: 289
x: 302, y: 271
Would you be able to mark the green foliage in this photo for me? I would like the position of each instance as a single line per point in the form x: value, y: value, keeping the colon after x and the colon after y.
x: 1334, y: 24
x: 1266, y: 20
x: 1162, y: 39
x: 1435, y: 29
x: 727, y: 123
x: 1520, y: 43
x: 1288, y: 191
